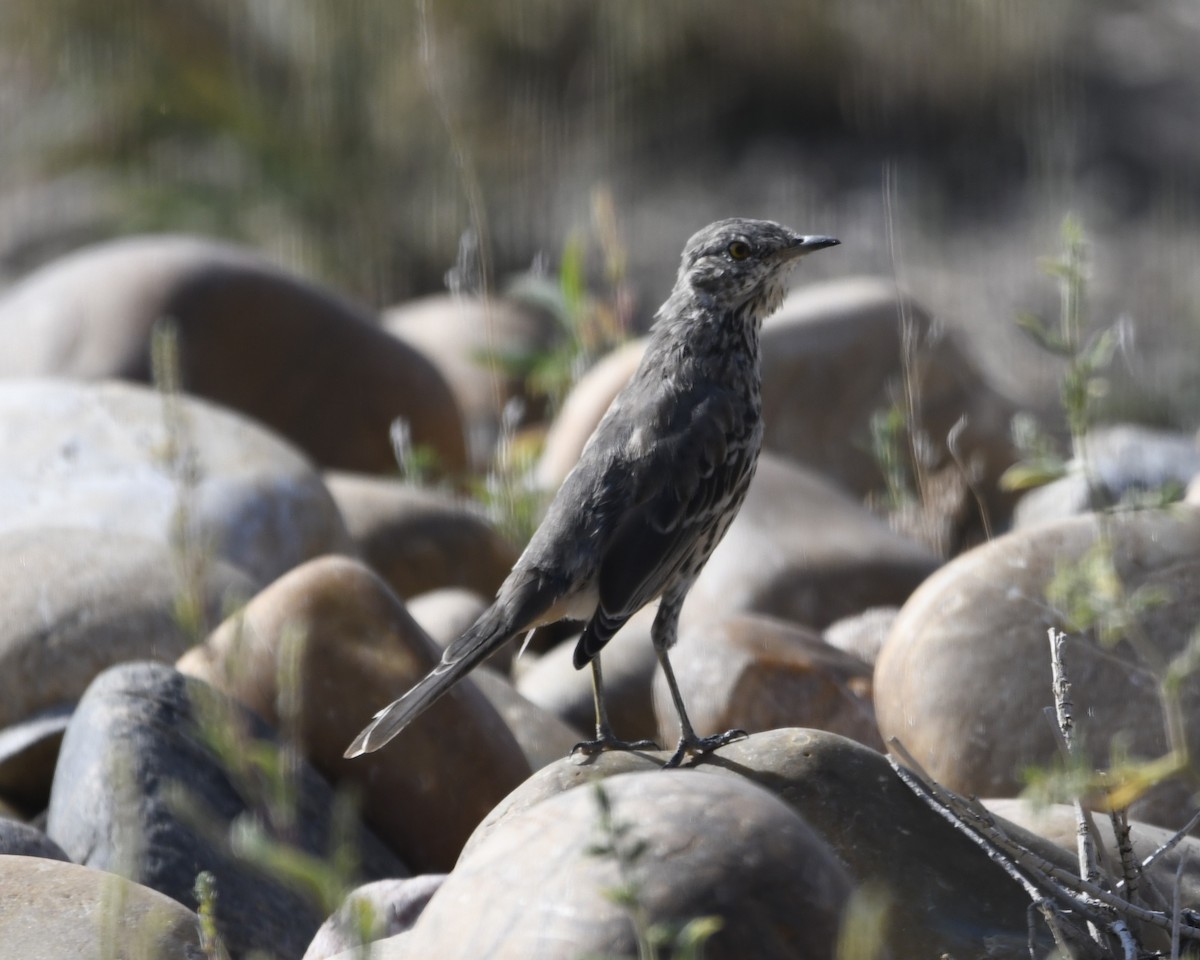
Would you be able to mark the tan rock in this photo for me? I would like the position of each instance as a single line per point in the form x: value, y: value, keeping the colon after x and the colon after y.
x: 833, y: 357
x: 543, y: 737
x: 964, y: 676
x: 802, y: 550
x: 391, y: 906
x: 473, y: 342
x: 862, y: 634
x: 711, y: 847
x: 351, y: 648
x: 420, y: 540
x: 51, y: 910
x: 302, y: 360
x: 755, y: 674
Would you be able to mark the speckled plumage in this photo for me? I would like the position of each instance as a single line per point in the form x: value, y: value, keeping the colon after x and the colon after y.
x: 661, y: 478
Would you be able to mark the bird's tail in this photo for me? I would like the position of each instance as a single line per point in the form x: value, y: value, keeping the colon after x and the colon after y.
x: 488, y: 633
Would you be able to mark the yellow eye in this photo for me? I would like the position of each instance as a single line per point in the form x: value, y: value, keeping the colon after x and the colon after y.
x: 738, y: 250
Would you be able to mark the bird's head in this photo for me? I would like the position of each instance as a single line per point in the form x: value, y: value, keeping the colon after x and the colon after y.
x: 739, y: 263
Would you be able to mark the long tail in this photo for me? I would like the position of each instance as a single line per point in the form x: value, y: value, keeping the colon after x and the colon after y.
x: 488, y: 633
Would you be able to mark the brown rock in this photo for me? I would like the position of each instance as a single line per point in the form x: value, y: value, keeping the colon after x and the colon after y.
x: 543, y: 737
x: 965, y: 674
x: 833, y: 356
x: 713, y: 847
x: 59, y: 911
x: 753, y: 673
x: 473, y: 343
x: 101, y: 457
x: 251, y: 336
x: 803, y: 550
x: 352, y: 648
x: 420, y: 540
x: 629, y: 663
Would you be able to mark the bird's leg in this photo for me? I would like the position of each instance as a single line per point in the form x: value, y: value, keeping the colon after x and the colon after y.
x: 605, y: 738
x: 666, y: 623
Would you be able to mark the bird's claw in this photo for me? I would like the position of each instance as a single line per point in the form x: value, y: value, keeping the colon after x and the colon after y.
x: 587, y: 749
x: 699, y: 746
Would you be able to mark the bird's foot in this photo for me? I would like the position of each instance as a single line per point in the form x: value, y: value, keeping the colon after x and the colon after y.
x: 698, y: 746
x: 604, y: 742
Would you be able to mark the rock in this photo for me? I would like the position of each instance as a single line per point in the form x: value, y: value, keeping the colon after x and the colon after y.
x: 250, y: 336
x: 446, y: 614
x: 345, y: 648
x: 390, y: 906
x: 629, y: 662
x: 543, y: 737
x: 862, y: 634
x: 753, y: 673
x: 28, y: 753
x: 943, y: 896
x: 713, y: 847
x: 1127, y: 461
x: 582, y: 410
x: 833, y: 356
x: 76, y: 602
x: 155, y: 783
x: 22, y: 840
x: 59, y: 911
x: 420, y: 540
x: 802, y: 550
x: 481, y: 348
x: 964, y: 676
x: 98, y: 457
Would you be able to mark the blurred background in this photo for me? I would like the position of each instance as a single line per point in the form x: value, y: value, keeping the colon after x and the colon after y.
x: 388, y: 149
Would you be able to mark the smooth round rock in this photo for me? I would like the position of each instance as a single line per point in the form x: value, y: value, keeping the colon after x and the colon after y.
x: 802, y: 550
x: 943, y: 895
x: 389, y: 907
x: 473, y: 343
x: 59, y: 911
x: 710, y: 847
x: 964, y: 676
x: 154, y: 783
x: 77, y: 601
x: 251, y: 336
x: 420, y: 540
x: 349, y: 648
x: 628, y: 661
x: 96, y: 456
x: 754, y: 673
x: 833, y: 357
x: 28, y: 754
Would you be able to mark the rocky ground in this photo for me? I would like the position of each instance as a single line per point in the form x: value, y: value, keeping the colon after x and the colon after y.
x: 209, y: 590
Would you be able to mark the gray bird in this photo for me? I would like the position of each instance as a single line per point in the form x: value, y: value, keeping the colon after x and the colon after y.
x: 656, y: 487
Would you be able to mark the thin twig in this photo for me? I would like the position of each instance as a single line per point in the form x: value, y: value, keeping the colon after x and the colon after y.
x: 1172, y: 842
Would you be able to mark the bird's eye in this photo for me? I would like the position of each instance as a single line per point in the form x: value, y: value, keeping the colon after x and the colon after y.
x: 739, y: 250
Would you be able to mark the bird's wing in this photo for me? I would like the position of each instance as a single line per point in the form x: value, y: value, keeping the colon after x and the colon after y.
x: 675, y: 491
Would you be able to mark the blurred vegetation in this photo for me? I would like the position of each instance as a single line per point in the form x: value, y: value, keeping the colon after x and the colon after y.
x: 352, y: 137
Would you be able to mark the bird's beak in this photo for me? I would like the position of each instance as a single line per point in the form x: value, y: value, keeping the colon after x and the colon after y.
x: 802, y: 245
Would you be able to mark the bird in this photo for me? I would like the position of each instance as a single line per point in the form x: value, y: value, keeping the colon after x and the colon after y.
x: 655, y: 488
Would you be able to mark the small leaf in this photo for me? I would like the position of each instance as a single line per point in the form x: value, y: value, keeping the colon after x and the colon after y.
x: 1035, y: 327
x: 1027, y: 474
